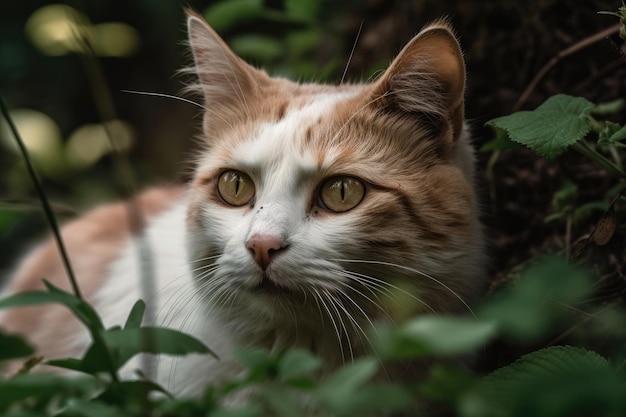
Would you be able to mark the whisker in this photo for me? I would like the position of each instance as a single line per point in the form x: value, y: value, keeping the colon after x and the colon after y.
x: 148, y: 93
x: 321, y: 299
x: 368, y: 280
x: 345, y: 71
x: 406, y: 268
x: 334, y: 303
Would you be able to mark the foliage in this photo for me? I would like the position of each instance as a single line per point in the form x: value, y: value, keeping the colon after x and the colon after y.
x: 550, y: 382
x: 292, y: 47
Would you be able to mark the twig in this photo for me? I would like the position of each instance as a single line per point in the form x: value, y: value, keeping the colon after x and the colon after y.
x: 47, y: 208
x: 558, y: 57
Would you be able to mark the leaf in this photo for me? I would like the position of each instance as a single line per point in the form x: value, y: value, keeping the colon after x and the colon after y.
x: 501, y: 142
x: 610, y: 107
x: 530, y: 308
x: 136, y: 315
x: 126, y: 343
x: 335, y: 390
x: 13, y: 347
x: 227, y: 14
x: 560, y: 380
x: 553, y: 126
x: 262, y: 48
x: 618, y: 136
x: 436, y: 336
x: 296, y: 363
x: 78, y: 407
x: 605, y: 228
x: 82, y: 310
x: 304, y: 10
x: 41, y: 386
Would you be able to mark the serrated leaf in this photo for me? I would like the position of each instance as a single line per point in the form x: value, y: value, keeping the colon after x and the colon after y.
x: 618, y: 136
x: 556, y: 381
x: 549, y: 129
x: 13, y: 347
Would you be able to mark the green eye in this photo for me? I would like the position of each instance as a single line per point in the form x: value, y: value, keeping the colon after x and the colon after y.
x: 341, y: 193
x: 235, y: 188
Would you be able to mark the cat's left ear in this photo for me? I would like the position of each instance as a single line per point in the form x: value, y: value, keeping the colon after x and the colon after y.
x: 427, y: 78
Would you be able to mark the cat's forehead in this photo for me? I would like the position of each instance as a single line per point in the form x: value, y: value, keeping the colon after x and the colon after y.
x: 293, y: 138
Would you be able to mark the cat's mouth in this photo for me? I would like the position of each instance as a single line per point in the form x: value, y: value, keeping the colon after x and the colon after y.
x: 269, y: 286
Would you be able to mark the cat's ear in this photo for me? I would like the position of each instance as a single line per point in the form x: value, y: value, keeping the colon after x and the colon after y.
x: 427, y: 78
x: 227, y: 83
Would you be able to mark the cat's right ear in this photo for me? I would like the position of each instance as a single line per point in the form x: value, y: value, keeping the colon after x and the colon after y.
x: 226, y: 81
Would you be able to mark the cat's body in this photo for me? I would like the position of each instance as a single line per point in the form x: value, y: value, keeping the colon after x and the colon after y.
x: 312, y: 211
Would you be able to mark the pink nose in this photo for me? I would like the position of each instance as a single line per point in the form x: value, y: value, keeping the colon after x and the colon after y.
x: 264, y: 247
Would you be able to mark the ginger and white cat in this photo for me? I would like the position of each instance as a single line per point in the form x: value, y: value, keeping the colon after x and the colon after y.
x: 312, y: 207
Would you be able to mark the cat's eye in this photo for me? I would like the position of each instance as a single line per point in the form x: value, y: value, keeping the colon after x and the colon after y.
x: 341, y: 193
x: 235, y: 188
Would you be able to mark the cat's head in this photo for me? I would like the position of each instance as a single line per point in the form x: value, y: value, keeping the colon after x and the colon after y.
x: 342, y: 200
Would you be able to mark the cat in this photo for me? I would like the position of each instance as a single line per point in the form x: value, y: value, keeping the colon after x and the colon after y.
x: 312, y: 210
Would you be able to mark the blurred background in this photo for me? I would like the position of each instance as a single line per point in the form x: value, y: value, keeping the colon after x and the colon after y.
x: 68, y: 97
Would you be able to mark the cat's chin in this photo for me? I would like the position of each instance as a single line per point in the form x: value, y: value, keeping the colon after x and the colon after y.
x: 268, y: 286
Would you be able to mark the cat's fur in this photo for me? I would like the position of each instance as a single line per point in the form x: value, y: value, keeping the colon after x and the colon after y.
x: 283, y: 270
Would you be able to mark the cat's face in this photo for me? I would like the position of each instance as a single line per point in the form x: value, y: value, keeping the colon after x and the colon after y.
x: 343, y: 201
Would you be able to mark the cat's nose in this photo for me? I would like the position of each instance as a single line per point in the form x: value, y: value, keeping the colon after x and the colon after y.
x: 264, y: 247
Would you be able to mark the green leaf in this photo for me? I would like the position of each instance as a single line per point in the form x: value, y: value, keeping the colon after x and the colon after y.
x: 42, y: 387
x: 501, y: 142
x: 83, y: 311
x: 13, y: 347
x: 553, y: 126
x: 435, y: 336
x: 295, y: 363
x: 610, y: 107
x: 304, y: 10
x: 537, y: 300
x: 557, y: 381
x: 340, y: 386
x: 618, y: 136
x: 78, y: 407
x: 126, y: 343
x: 72, y: 364
x: 227, y: 14
x: 258, y: 47
x: 136, y: 315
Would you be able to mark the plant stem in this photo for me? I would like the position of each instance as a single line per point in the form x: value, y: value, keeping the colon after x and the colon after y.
x: 42, y: 197
x: 583, y: 148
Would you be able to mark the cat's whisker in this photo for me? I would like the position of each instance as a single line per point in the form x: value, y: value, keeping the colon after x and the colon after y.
x: 336, y: 305
x: 413, y: 270
x: 345, y: 71
x: 320, y: 297
x: 367, y: 286
x: 388, y: 288
x: 183, y: 99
